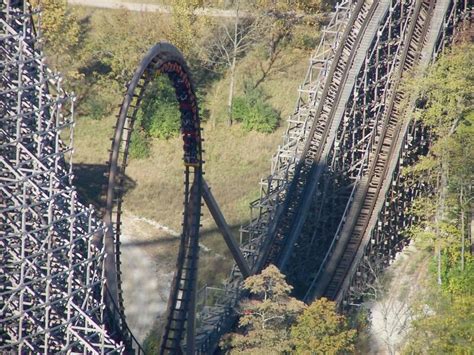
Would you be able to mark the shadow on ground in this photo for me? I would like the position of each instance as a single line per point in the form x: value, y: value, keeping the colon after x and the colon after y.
x: 172, y: 238
x: 91, y: 181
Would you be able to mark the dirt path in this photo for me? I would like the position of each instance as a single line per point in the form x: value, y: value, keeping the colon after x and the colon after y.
x: 131, y: 6
x: 148, y: 256
x: 146, y: 275
x: 391, y: 313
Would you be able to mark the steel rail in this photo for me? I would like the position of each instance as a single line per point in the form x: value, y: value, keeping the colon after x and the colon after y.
x: 162, y: 59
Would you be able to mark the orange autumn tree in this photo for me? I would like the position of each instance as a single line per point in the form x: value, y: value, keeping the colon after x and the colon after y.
x: 266, y: 318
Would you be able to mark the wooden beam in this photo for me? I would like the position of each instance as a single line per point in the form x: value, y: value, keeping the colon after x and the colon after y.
x: 225, y: 230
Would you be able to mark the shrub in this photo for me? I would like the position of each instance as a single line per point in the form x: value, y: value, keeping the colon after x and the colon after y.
x: 254, y: 113
x: 159, y: 115
x: 139, y: 144
x: 94, y: 107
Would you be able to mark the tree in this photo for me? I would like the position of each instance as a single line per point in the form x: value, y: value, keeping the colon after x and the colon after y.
x: 254, y: 112
x: 446, y: 107
x: 233, y: 40
x: 443, y: 320
x: 320, y: 329
x: 265, y: 318
x: 187, y: 27
x: 442, y: 325
x: 59, y: 25
x: 281, y: 18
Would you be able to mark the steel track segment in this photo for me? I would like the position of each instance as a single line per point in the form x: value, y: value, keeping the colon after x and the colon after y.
x: 163, y: 59
x: 428, y: 44
x: 371, y: 183
x: 277, y: 226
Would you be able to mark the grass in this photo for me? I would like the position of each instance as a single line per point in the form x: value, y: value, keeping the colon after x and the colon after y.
x: 235, y: 160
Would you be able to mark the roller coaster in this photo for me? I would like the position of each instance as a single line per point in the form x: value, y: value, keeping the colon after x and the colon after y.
x: 334, y: 205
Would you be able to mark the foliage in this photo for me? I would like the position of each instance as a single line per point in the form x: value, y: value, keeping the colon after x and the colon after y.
x: 282, y: 20
x: 267, y: 317
x: 443, y: 325
x: 447, y: 90
x: 187, y: 27
x: 322, y: 330
x: 59, y: 25
x: 306, y: 6
x: 139, y: 144
x: 447, y: 107
x: 120, y: 44
x: 159, y: 115
x: 444, y: 319
x: 254, y: 113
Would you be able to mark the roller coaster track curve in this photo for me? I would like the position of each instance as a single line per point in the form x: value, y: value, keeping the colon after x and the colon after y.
x: 167, y: 60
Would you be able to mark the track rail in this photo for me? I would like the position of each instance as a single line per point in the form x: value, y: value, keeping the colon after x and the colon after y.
x: 443, y: 15
x: 383, y: 155
x: 286, y: 223
x: 166, y: 60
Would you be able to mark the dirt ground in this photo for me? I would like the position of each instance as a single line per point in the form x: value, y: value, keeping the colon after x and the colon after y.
x: 148, y: 262
x: 146, y: 276
x: 391, y: 313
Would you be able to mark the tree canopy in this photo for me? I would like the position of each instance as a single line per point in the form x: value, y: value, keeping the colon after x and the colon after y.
x: 322, y: 329
x: 273, y: 322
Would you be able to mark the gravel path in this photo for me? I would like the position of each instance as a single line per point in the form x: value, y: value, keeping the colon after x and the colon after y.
x: 392, y: 312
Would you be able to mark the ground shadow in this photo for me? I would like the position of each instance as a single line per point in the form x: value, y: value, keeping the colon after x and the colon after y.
x: 172, y: 238
x: 91, y: 181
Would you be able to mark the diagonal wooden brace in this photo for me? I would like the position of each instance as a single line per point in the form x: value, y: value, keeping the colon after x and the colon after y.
x: 225, y: 230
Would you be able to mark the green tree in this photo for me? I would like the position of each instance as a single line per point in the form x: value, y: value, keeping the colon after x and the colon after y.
x: 443, y: 325
x: 187, y: 28
x: 266, y: 318
x: 446, y: 107
x: 443, y: 318
x: 254, y: 113
x: 59, y: 25
x: 320, y: 329
x: 159, y: 114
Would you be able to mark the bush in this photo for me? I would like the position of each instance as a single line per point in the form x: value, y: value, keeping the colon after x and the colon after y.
x: 94, y: 107
x: 98, y: 97
x: 139, y: 144
x: 254, y: 113
x: 159, y: 115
